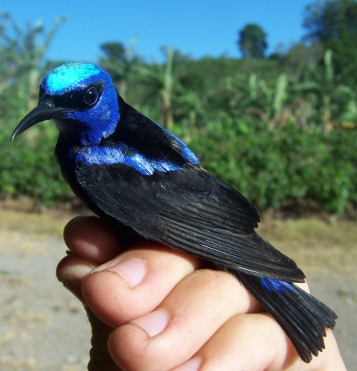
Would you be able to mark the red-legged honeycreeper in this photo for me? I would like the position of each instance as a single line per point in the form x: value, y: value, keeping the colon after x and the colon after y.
x: 134, y: 173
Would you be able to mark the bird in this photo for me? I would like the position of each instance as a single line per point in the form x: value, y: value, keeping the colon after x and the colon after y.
x: 139, y: 176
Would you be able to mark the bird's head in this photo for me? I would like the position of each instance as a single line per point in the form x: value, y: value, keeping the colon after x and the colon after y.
x: 82, y: 100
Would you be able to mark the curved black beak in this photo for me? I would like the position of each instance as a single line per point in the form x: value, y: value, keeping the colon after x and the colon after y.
x: 45, y: 110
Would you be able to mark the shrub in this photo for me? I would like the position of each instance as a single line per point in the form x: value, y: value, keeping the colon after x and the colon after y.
x: 273, y: 167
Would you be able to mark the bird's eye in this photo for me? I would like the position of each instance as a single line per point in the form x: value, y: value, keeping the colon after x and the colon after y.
x: 91, y: 96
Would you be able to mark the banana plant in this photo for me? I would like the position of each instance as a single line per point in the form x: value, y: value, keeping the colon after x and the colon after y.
x: 161, y: 80
x: 323, y: 87
x: 23, y: 52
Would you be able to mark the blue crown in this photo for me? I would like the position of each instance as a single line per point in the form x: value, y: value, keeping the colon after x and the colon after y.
x: 71, y: 76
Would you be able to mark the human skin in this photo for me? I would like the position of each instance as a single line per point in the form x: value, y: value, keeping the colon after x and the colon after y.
x: 152, y: 308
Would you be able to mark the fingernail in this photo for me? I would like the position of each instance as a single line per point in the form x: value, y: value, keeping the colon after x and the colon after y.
x: 132, y: 271
x: 72, y: 267
x: 154, y: 323
x: 194, y: 364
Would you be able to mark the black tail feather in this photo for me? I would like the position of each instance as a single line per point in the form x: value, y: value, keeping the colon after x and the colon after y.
x: 302, y: 317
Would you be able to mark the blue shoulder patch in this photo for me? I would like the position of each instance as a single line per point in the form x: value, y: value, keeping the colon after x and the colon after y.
x: 69, y: 76
x: 122, y: 155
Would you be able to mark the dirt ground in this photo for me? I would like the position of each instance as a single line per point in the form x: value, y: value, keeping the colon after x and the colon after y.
x: 42, y: 327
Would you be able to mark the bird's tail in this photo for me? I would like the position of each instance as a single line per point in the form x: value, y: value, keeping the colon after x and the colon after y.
x: 302, y: 317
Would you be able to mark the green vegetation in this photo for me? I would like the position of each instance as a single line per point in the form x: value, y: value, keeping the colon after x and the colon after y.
x: 281, y: 129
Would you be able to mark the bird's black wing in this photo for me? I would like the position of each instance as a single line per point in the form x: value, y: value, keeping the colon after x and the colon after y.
x: 187, y: 209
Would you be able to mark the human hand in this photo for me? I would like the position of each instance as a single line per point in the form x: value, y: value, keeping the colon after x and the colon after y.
x: 152, y: 308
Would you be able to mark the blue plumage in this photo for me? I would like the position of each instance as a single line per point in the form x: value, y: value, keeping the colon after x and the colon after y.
x: 274, y: 285
x: 185, y: 150
x: 132, y: 172
x: 122, y: 154
x: 69, y: 77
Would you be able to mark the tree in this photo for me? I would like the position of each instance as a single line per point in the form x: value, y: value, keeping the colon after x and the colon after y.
x: 333, y: 23
x: 252, y: 41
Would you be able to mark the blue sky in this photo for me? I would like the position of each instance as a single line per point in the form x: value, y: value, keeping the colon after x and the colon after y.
x: 195, y: 27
